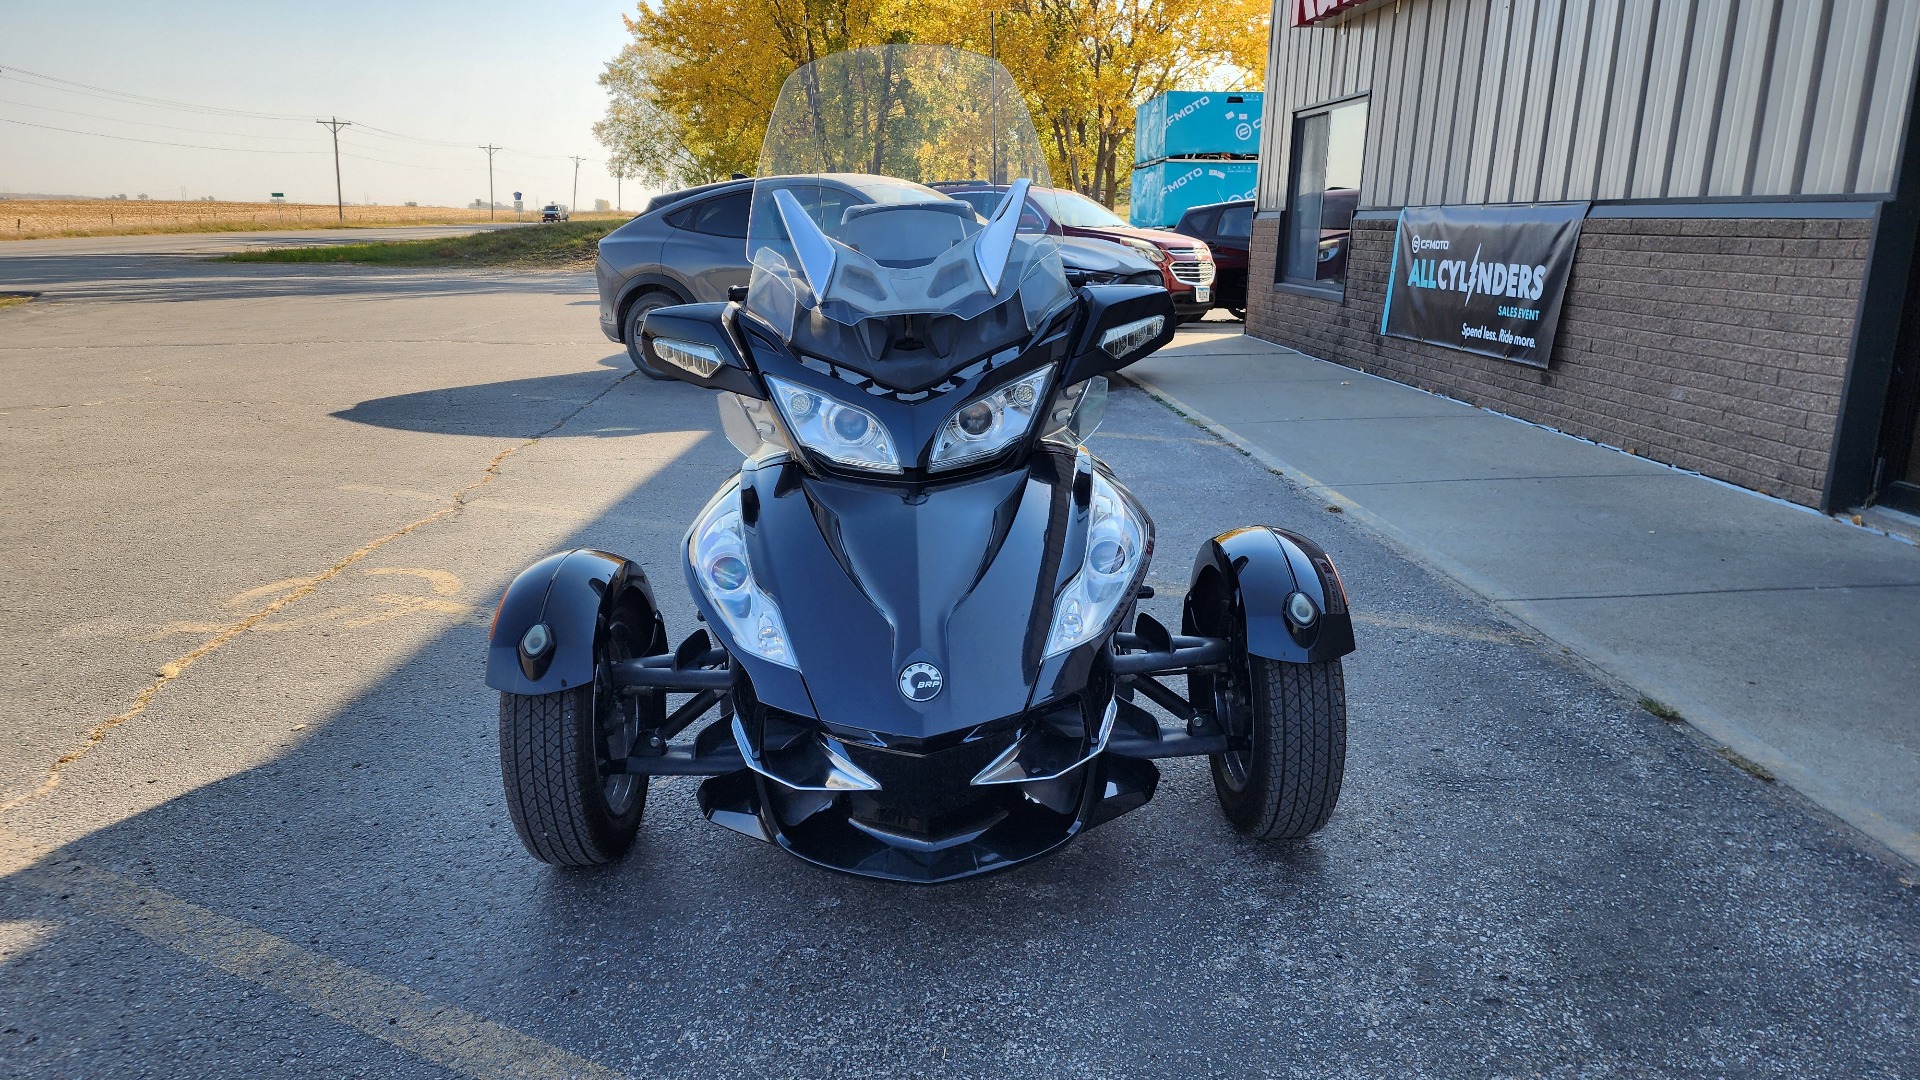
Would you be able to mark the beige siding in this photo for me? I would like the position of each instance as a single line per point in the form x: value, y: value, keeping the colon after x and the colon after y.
x: 1516, y: 100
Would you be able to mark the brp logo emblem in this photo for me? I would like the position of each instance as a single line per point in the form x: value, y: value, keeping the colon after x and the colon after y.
x: 920, y: 682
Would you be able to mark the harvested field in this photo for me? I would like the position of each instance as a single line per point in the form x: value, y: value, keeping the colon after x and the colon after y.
x: 24, y: 219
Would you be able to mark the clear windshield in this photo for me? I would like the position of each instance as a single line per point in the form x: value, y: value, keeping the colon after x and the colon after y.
x: 854, y: 256
x: 1072, y: 209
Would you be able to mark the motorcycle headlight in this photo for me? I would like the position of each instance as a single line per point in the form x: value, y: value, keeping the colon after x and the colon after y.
x: 841, y: 433
x: 1117, y: 546
x: 1122, y: 340
x: 989, y: 423
x: 718, y: 554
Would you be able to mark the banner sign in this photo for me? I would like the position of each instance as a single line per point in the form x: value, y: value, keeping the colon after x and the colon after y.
x: 1482, y: 279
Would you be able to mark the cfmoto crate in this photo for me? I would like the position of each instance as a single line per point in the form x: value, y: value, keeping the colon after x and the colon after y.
x: 1166, y: 189
x: 1197, y: 123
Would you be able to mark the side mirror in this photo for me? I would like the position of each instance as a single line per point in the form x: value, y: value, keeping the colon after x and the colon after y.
x: 1124, y: 323
x: 696, y: 343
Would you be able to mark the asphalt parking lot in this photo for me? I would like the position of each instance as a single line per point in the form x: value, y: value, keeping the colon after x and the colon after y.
x: 256, y: 521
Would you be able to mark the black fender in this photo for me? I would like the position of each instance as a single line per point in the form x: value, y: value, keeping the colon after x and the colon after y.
x: 1244, y: 577
x: 647, y: 281
x: 568, y: 592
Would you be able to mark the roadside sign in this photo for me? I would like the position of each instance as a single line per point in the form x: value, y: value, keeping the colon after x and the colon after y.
x: 279, y: 194
x: 516, y: 196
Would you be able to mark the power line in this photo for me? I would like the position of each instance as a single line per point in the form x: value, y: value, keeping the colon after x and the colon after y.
x: 369, y: 128
x: 143, y: 99
x: 120, y: 97
x: 407, y: 164
x: 149, y: 123
x: 155, y: 142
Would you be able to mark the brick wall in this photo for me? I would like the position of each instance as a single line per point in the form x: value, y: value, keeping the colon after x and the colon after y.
x: 1718, y: 345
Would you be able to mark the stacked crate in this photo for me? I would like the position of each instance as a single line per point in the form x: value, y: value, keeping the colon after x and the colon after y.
x: 1193, y: 147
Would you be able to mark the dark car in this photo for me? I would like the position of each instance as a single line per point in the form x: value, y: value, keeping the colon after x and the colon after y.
x: 1337, y: 206
x: 1225, y: 227
x: 1186, y: 264
x: 690, y: 246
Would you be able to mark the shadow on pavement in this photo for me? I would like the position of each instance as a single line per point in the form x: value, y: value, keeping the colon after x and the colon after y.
x: 1523, y: 885
x: 510, y: 408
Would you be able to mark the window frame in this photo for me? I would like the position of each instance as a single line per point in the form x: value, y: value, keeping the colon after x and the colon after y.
x: 1281, y: 282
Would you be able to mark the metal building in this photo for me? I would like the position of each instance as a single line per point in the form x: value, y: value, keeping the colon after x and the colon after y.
x: 1736, y: 302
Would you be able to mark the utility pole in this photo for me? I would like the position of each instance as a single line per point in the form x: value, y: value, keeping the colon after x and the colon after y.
x: 491, y: 150
x: 575, y: 204
x: 339, y: 200
x: 619, y: 202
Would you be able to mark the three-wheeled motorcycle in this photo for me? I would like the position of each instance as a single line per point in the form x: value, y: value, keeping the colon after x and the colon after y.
x: 921, y: 657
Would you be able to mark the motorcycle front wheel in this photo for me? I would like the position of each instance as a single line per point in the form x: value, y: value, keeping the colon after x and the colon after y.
x: 1291, y: 720
x: 554, y: 750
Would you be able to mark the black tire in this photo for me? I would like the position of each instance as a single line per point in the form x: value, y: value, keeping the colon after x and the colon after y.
x: 630, y: 332
x: 1285, y: 786
x: 551, y: 747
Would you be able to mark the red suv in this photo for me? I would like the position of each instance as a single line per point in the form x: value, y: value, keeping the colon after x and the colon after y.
x: 1186, y: 264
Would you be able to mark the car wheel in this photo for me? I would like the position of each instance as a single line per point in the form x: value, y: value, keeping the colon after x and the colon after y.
x: 1288, y: 723
x: 636, y: 313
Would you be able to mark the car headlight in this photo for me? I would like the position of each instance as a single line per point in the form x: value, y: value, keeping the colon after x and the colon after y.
x: 1117, y: 546
x: 718, y: 554
x: 989, y: 423
x: 1153, y: 252
x: 841, y: 433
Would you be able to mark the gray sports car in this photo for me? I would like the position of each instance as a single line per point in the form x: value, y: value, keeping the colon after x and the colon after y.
x: 690, y: 247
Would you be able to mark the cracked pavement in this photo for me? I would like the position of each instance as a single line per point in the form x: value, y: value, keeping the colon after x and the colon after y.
x: 269, y: 509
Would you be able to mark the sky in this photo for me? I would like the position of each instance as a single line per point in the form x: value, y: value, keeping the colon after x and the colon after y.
x: 445, y: 77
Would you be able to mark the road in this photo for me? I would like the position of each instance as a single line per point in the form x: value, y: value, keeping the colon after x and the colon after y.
x: 203, y: 244
x: 256, y: 520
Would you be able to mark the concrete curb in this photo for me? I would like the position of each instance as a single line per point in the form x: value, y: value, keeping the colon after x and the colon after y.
x: 1722, y: 732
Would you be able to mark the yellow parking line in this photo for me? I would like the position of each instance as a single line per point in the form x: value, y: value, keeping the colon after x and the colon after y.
x: 301, y: 588
x: 388, y: 1011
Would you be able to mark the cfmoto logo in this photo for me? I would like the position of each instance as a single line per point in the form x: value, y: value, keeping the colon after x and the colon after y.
x: 920, y: 682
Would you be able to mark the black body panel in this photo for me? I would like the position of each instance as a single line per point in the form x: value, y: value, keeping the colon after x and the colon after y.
x: 567, y: 592
x: 997, y: 828
x: 872, y: 578
x: 1248, y: 574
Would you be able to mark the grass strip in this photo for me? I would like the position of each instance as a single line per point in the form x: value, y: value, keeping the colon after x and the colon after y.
x: 571, y: 243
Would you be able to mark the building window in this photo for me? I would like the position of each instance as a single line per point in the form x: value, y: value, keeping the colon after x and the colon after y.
x: 1322, y: 192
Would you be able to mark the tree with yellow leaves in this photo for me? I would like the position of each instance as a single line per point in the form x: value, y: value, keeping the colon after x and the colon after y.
x: 691, y: 93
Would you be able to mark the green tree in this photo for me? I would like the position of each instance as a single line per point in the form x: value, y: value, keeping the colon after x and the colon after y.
x: 645, y: 140
x: 690, y: 95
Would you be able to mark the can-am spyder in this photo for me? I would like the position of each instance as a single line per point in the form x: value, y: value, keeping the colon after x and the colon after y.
x: 917, y: 585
